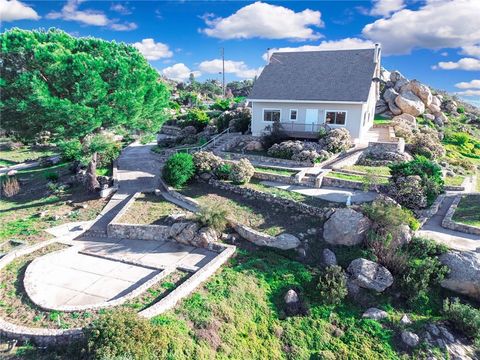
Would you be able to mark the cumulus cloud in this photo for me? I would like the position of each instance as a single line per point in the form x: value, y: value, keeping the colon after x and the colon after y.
x: 469, y: 64
x: 11, y: 10
x: 347, y: 43
x: 265, y: 21
x: 239, y: 68
x: 435, y: 25
x: 469, y: 93
x: 179, y: 72
x: 386, y: 7
x: 70, y: 12
x: 121, y: 9
x: 153, y: 50
x: 474, y: 84
x: 471, y: 50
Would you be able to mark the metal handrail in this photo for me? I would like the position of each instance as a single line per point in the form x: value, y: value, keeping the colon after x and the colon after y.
x: 213, y: 140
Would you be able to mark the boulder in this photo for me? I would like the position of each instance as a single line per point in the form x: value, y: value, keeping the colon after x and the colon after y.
x: 375, y: 314
x: 381, y: 107
x: 430, y: 117
x: 394, y: 109
x: 400, y: 84
x: 405, y: 320
x: 328, y: 258
x: 286, y: 241
x: 346, y: 227
x: 410, y: 103
x: 403, y: 235
x: 410, y: 339
x: 396, y: 76
x: 422, y: 91
x: 384, y: 75
x: 434, y: 108
x: 406, y: 118
x: 254, y: 145
x: 464, y: 276
x: 440, y: 118
x: 184, y: 232
x: 389, y: 95
x: 450, y: 106
x: 291, y: 297
x: 369, y: 275
x: 436, y: 100
x: 205, y: 237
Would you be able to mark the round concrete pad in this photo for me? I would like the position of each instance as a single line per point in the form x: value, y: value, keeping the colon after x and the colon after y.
x: 67, y: 278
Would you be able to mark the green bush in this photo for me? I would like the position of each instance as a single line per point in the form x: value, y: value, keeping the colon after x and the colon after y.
x: 106, y: 148
x: 70, y: 149
x: 389, y: 216
x: 179, y: 169
x: 241, y: 172
x: 197, y: 118
x: 51, y: 176
x: 221, y: 104
x: 457, y: 138
x: 422, y: 248
x: 461, y: 110
x: 332, y: 285
x: 464, y: 318
x: 223, y: 171
x: 214, y: 215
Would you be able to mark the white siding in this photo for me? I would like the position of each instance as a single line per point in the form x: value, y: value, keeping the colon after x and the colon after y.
x: 353, y: 120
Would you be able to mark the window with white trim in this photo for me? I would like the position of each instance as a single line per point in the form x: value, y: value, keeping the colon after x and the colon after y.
x: 271, y: 115
x: 335, y: 117
x: 293, y: 114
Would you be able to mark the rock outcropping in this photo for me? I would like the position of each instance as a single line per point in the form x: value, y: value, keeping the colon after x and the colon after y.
x: 346, y: 227
x: 369, y: 275
x: 464, y: 276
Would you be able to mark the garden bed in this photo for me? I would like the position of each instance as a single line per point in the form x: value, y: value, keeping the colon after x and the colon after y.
x: 456, y: 180
x: 275, y: 171
x: 149, y: 209
x: 17, y: 308
x: 355, y: 177
x: 22, y: 154
x: 468, y: 210
x: 259, y: 215
x: 377, y: 170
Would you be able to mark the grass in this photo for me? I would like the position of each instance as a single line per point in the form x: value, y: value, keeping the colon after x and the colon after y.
x: 104, y: 171
x: 22, y: 154
x: 378, y: 170
x: 150, y: 209
x: 468, y: 210
x: 291, y: 195
x: 456, y: 180
x: 353, y: 177
x: 381, y: 120
x: 267, y: 170
x: 258, y: 215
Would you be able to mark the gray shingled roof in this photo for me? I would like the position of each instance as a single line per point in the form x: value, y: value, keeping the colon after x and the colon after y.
x: 337, y: 75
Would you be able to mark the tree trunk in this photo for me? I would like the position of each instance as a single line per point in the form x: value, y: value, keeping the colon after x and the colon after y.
x: 92, y: 183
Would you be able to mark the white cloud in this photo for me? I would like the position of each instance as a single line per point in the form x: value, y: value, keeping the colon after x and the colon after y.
x: 474, y: 84
x: 239, y: 68
x: 265, y: 21
x: 11, y: 10
x: 70, y: 12
x: 179, y: 72
x: 437, y: 24
x: 153, y: 50
x: 347, y: 43
x: 121, y: 9
x: 386, y: 7
x: 471, y: 50
x: 469, y: 93
x: 469, y: 64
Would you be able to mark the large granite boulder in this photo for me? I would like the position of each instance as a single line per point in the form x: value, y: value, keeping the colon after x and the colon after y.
x: 410, y: 103
x: 369, y: 275
x: 440, y: 118
x: 346, y: 227
x: 406, y: 118
x: 328, y: 258
x: 464, y: 276
x: 184, y: 232
x: 389, y: 96
x: 422, y: 91
x: 410, y: 339
x: 375, y: 314
x: 286, y: 241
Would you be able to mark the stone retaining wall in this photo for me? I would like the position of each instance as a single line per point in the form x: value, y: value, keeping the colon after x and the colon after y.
x: 425, y: 214
x: 348, y: 160
x: 284, y: 179
x: 171, y: 130
x: 388, y: 146
x: 350, y: 184
x: 295, y: 205
x: 265, y: 159
x: 449, y: 223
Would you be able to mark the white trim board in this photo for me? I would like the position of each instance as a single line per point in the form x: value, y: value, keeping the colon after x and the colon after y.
x: 309, y: 101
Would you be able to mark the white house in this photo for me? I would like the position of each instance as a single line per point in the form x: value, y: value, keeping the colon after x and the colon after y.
x: 306, y: 90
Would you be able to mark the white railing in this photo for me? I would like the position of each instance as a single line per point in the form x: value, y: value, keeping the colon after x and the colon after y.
x: 212, y: 141
x: 296, y: 127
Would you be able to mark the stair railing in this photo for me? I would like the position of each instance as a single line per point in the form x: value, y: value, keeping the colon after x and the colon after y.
x: 212, y: 141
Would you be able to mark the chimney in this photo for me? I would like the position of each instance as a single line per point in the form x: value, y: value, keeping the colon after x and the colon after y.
x: 378, y: 49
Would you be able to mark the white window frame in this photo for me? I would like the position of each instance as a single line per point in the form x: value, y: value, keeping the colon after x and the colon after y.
x: 271, y: 109
x: 296, y: 115
x: 335, y: 125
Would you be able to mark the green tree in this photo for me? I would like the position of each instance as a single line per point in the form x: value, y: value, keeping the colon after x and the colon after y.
x: 72, y: 87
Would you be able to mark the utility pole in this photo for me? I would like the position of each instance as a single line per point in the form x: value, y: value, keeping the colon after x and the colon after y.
x: 223, y: 71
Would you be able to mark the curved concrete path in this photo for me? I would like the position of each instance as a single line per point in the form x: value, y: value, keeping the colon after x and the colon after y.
x: 455, y: 240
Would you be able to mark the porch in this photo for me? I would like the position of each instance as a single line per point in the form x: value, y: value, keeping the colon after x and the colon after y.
x: 302, y: 130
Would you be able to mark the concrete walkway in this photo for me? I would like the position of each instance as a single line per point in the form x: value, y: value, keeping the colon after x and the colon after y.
x: 27, y: 165
x: 327, y: 193
x: 455, y: 240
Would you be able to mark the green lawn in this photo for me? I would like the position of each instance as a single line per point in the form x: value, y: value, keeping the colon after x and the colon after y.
x: 104, y: 171
x: 378, y: 170
x: 354, y: 177
x: 284, y: 172
x: 468, y: 210
x: 456, y: 180
x: 381, y: 120
x: 22, y: 154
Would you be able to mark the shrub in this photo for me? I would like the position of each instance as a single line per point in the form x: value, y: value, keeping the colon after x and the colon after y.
x: 197, y: 118
x: 123, y: 334
x: 147, y: 138
x: 206, y: 162
x: 461, y: 110
x: 388, y: 216
x: 336, y: 140
x: 404, y: 130
x: 10, y: 186
x: 464, y: 318
x: 242, y: 171
x: 107, y: 149
x: 70, y: 149
x: 408, y: 191
x: 238, y: 119
x: 285, y: 149
x: 332, y: 285
x: 221, y: 104
x: 428, y: 145
x: 214, y: 215
x: 273, y: 135
x: 422, y: 248
x: 179, y: 169
x: 51, y: 176
x: 386, y: 251
x: 223, y: 171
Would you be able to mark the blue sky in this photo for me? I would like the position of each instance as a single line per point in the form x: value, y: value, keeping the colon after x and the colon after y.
x: 434, y: 41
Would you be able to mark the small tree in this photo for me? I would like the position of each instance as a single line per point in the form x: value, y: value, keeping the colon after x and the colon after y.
x: 332, y: 285
x: 241, y: 172
x: 214, y: 215
x: 179, y: 169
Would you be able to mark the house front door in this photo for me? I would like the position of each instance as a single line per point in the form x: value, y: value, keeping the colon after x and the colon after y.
x: 311, y: 119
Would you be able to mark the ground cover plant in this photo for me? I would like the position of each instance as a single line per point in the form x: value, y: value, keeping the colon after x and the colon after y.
x: 379, y: 170
x: 354, y: 177
x: 468, y: 210
x: 179, y: 169
x: 12, y: 153
x: 276, y: 171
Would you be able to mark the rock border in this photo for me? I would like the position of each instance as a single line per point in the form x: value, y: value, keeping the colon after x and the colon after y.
x: 449, y: 223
